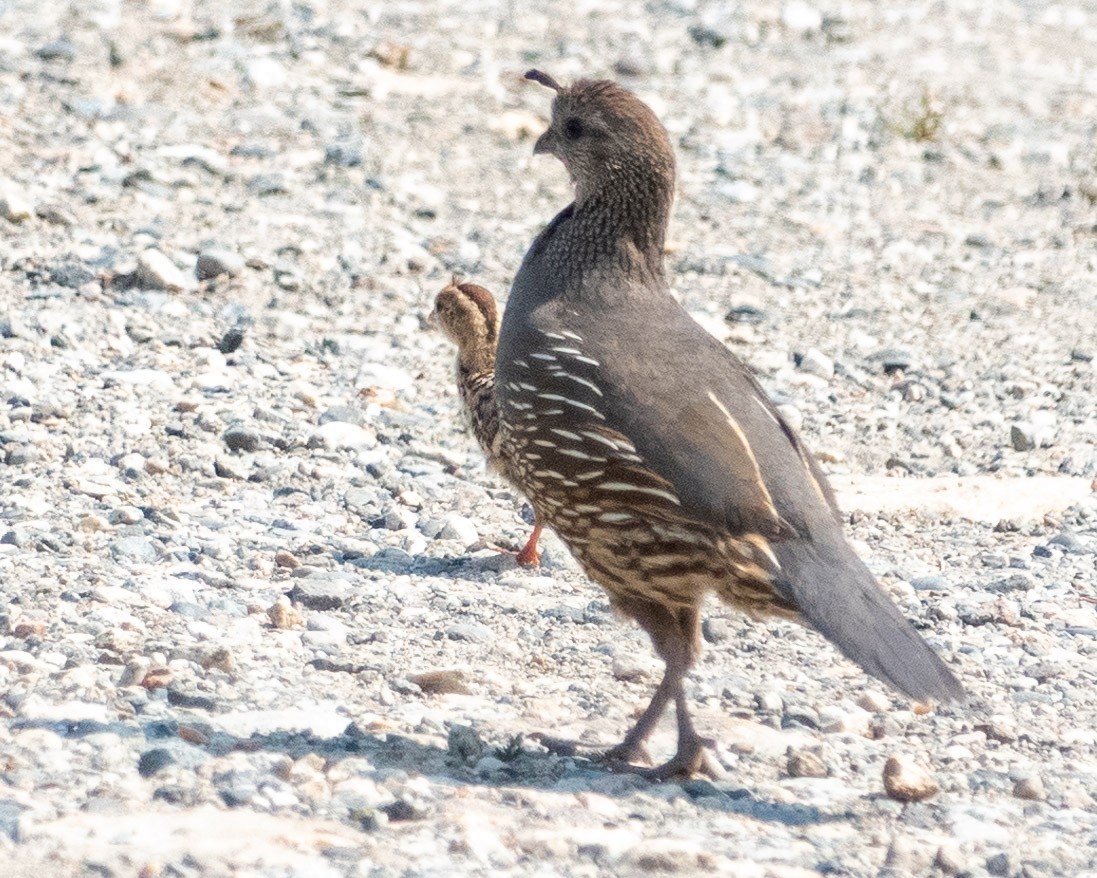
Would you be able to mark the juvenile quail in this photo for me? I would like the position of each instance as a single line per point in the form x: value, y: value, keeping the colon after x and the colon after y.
x: 651, y: 449
x: 467, y: 314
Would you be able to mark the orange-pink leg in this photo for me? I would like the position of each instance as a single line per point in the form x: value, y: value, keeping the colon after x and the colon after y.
x: 529, y: 556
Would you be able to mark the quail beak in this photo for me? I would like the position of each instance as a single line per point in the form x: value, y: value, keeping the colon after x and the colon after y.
x: 431, y: 320
x: 546, y: 143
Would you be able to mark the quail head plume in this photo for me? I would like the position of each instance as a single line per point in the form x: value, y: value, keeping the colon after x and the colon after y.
x: 651, y: 449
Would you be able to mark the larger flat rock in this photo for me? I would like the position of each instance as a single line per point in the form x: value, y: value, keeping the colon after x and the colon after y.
x: 973, y: 498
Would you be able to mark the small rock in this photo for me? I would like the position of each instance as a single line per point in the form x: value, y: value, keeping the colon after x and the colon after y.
x: 25, y: 629
x: 265, y: 72
x: 343, y: 414
x: 906, y: 781
x: 182, y: 695
x: 464, y: 745
x: 143, y: 550
x: 441, y: 682
x: 750, y: 314
x: 21, y: 455
x: 227, y: 468
x: 1069, y: 543
x: 220, y: 659
x: 799, y: 16
x: 133, y: 674
x: 282, y: 558
x: 407, y: 808
x: 908, y: 856
x: 268, y: 184
x: 950, y: 859
x: 1016, y: 582
x: 815, y: 362
x: 215, y: 261
x: 1022, y: 437
x: 156, y: 270
x: 874, y: 701
x: 319, y: 594
x: 239, y: 438
x: 716, y: 630
x: 792, y: 415
x: 283, y: 614
x: 127, y: 515
x: 14, y: 207
x: 344, y: 153
x: 630, y: 669
x: 55, y: 214
x: 459, y: 528
x: 489, y: 765
x: 71, y: 274
x: 336, y: 435
x: 398, y: 518
x: 473, y: 632
x: 157, y: 678
x: 154, y: 760
x: 1030, y: 788
x: 892, y: 360
x: 804, y: 763
x: 231, y: 340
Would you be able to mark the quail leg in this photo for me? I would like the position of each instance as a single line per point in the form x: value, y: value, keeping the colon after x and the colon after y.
x: 693, y: 756
x: 675, y: 637
x: 529, y: 556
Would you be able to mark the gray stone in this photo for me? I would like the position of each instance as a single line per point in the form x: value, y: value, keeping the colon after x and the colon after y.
x: 14, y: 206
x: 215, y: 261
x: 343, y: 414
x: 143, y: 550
x: 156, y: 270
x: 229, y: 468
x: 315, y: 593
x: 71, y: 274
x: 240, y: 438
x: 57, y: 50
x: 336, y: 435
x: 815, y: 362
x: 460, y: 529
x: 1030, y: 788
x: 344, y: 153
x: 1022, y: 437
x: 930, y: 583
x: 1071, y: 544
x: 472, y: 631
x: 10, y: 813
x: 464, y: 745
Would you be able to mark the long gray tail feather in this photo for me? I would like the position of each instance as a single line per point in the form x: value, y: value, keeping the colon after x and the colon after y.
x: 839, y: 597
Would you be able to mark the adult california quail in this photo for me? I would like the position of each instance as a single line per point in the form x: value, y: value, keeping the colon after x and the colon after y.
x: 467, y: 314
x: 651, y: 449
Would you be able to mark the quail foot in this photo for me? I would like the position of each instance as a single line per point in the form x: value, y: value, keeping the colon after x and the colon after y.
x: 468, y: 316
x: 651, y: 449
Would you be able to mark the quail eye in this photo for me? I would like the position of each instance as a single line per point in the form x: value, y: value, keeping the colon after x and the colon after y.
x: 573, y: 129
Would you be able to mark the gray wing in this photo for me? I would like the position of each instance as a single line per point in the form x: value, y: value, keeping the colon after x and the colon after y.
x: 700, y: 421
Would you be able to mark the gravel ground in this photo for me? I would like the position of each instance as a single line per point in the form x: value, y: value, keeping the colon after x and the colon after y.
x: 221, y: 224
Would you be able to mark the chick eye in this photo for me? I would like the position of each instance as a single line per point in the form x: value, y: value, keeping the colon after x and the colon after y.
x: 573, y: 129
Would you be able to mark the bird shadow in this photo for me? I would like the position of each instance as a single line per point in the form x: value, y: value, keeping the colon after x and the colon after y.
x: 189, y: 740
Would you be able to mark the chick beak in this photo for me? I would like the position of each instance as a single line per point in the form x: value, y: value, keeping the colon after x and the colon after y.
x: 431, y: 320
x: 546, y: 143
